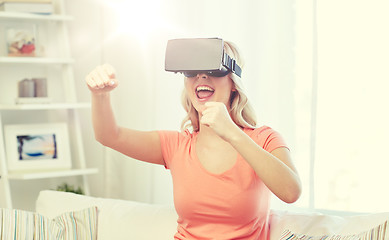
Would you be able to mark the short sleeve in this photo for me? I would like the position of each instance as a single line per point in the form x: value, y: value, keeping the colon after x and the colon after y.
x: 169, y: 145
x: 268, y: 138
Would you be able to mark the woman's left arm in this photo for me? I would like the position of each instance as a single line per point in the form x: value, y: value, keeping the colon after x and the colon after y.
x: 275, y: 169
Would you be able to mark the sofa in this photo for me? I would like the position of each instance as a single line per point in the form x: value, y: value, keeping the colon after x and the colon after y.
x: 121, y: 219
x: 69, y: 216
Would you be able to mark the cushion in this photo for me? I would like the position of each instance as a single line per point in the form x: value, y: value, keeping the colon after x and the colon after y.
x: 318, y: 224
x: 118, y: 219
x: 25, y: 225
x: 381, y: 232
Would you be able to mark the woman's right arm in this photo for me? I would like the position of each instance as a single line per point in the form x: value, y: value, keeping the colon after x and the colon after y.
x: 136, y: 144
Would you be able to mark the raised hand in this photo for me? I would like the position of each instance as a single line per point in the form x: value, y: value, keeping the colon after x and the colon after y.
x: 102, y: 79
x: 215, y: 115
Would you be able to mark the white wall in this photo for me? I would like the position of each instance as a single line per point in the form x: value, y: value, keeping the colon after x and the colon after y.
x: 149, y: 98
x: 85, y: 42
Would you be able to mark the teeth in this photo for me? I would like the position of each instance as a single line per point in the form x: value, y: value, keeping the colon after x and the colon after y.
x: 204, y: 88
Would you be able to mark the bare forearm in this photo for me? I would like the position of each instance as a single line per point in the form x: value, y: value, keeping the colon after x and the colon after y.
x: 277, y: 175
x: 103, y: 119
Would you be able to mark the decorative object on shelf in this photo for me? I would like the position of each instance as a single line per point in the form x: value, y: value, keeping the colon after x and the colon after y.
x: 26, y: 88
x: 32, y: 91
x: 21, y: 41
x: 32, y: 147
x: 69, y: 188
x: 40, y: 85
x: 27, y: 6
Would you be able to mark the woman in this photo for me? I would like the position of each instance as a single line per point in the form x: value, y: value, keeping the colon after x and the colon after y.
x: 223, y: 167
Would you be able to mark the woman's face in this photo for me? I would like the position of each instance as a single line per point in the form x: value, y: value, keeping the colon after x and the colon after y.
x: 203, y: 88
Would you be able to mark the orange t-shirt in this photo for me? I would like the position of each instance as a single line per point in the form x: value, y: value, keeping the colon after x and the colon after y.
x: 230, y: 205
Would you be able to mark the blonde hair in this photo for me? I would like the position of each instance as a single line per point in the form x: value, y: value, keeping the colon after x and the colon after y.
x: 241, y: 111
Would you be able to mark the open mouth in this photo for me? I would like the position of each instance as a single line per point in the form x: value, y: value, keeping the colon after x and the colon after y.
x: 204, y: 92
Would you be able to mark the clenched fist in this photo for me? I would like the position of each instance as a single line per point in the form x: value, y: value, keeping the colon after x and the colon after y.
x: 101, y: 79
x: 215, y: 115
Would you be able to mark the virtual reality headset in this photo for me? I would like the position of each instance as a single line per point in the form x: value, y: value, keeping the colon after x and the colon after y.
x: 192, y: 56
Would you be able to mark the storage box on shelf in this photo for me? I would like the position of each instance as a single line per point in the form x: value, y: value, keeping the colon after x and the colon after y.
x: 50, y: 59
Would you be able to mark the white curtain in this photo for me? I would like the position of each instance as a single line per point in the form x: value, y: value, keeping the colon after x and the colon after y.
x: 341, y: 103
x: 352, y: 107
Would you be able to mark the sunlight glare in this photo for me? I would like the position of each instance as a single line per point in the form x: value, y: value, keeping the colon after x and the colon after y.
x: 137, y: 18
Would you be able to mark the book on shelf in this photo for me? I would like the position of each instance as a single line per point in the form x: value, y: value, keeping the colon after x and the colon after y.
x: 27, y: 1
x: 27, y: 7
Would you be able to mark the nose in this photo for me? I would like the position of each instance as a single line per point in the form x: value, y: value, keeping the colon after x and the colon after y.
x: 202, y: 75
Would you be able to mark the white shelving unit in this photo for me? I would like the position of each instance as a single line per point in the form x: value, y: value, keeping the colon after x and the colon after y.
x: 55, y: 65
x: 44, y: 106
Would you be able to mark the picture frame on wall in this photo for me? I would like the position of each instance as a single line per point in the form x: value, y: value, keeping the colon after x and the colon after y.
x: 37, y: 147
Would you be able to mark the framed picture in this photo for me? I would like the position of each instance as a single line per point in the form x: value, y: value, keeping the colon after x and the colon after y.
x: 33, y: 147
x: 21, y: 40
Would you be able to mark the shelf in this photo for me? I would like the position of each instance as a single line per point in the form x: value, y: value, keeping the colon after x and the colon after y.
x: 36, y: 60
x: 44, y: 106
x: 52, y: 174
x: 32, y: 16
x: 61, y: 103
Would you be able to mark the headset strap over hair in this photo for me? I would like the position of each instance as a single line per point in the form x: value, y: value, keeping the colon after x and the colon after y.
x: 231, y: 64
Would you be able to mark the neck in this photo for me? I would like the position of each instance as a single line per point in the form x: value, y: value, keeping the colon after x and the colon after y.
x: 208, y: 135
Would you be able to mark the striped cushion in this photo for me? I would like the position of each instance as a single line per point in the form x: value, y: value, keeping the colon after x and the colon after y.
x: 380, y: 232
x: 18, y: 224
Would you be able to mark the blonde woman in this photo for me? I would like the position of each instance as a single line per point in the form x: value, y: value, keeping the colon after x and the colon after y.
x: 223, y: 167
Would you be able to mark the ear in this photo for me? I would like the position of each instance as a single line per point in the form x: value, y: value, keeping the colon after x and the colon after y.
x: 233, y: 94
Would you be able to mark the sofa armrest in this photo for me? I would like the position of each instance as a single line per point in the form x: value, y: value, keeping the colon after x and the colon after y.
x: 317, y: 224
